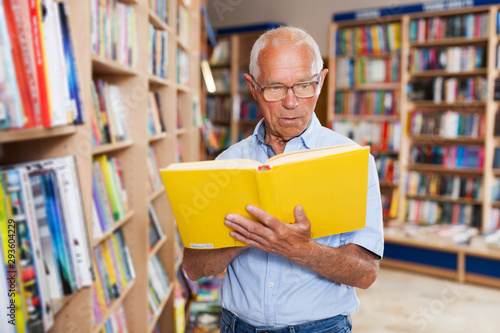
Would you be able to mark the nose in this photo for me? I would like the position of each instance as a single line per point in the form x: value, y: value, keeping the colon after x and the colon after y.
x: 290, y: 101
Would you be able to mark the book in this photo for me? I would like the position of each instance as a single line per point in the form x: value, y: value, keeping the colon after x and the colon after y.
x: 155, y: 232
x: 330, y: 183
x: 36, y: 296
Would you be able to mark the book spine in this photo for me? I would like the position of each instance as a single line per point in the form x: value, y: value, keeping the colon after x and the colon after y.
x: 40, y: 62
x: 22, y: 65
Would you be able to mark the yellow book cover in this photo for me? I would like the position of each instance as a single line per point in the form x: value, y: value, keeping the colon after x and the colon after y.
x: 330, y: 183
x: 374, y: 38
x: 111, y: 186
x: 108, y: 265
x: 11, y: 258
x: 119, y: 259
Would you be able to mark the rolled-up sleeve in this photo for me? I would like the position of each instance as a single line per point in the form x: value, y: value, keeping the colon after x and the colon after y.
x: 371, y: 237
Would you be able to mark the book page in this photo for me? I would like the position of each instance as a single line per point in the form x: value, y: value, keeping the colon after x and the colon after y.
x: 312, y: 153
x: 219, y: 164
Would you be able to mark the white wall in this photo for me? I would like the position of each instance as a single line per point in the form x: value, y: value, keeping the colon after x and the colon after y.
x: 314, y: 16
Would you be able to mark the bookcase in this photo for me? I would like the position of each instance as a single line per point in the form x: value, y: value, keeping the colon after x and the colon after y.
x: 231, y: 109
x: 443, y: 148
x: 364, y: 93
x: 171, y: 81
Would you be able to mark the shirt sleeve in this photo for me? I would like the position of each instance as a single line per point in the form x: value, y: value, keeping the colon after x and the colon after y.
x: 371, y: 237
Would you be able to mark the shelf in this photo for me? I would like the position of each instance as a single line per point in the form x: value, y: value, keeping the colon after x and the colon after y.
x: 372, y: 56
x: 219, y: 93
x: 59, y: 304
x: 114, y: 306
x: 180, y: 131
x: 156, y: 80
x: 436, y: 139
x: 496, y: 172
x: 157, y: 315
x: 182, y: 88
x: 157, y: 22
x: 116, y: 225
x: 220, y: 65
x: 388, y: 184
x: 111, y: 147
x: 441, y: 169
x: 182, y: 45
x: 433, y: 73
x: 450, y: 41
x: 383, y: 152
x: 431, y: 104
x: 157, y: 247
x: 372, y: 86
x: 156, y: 194
x: 106, y: 66
x: 464, y: 110
x: 495, y: 204
x: 370, y: 117
x: 421, y: 242
x: 157, y: 137
x: 13, y: 135
x: 444, y: 199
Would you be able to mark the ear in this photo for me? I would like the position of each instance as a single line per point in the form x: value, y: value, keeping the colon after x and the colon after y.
x: 252, y: 87
x: 323, y: 72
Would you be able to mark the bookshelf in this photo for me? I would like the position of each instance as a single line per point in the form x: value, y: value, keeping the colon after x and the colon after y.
x: 131, y: 73
x: 364, y: 93
x: 445, y: 176
x: 232, y: 110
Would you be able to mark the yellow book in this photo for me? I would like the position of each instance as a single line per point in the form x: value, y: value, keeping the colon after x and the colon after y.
x: 11, y: 258
x: 108, y: 264
x: 374, y: 38
x: 330, y: 183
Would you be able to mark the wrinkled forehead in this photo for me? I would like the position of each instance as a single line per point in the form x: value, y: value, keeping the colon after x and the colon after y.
x: 287, y: 56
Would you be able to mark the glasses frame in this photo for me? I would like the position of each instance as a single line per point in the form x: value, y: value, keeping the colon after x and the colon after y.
x: 287, y: 87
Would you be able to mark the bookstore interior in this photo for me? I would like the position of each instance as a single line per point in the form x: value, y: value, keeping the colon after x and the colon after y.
x: 89, y: 238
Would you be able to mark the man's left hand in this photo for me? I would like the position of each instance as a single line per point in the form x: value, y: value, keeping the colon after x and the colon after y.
x: 272, y: 235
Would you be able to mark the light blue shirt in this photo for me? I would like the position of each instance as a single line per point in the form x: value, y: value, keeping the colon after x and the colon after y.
x: 265, y: 289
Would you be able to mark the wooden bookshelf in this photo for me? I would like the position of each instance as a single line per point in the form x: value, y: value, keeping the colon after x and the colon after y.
x: 358, y: 85
x: 240, y: 44
x: 75, y: 312
x: 35, y: 133
x: 402, y: 250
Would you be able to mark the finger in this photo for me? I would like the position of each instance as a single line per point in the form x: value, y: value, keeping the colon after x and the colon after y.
x: 300, y: 215
x: 244, y: 232
x: 248, y: 241
x: 256, y: 227
x: 267, y: 219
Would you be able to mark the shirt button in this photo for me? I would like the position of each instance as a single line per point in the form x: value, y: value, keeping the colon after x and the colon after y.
x: 271, y: 284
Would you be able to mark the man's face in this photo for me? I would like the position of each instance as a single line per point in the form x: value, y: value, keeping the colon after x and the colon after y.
x: 286, y: 64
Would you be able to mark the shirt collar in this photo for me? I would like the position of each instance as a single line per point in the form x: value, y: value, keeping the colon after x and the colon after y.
x: 309, y: 136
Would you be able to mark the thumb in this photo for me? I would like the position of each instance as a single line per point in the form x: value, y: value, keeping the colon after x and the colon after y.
x: 300, y: 215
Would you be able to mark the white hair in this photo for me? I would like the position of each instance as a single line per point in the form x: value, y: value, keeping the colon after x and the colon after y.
x: 294, y: 36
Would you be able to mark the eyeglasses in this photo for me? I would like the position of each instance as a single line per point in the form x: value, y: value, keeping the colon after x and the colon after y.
x: 277, y: 92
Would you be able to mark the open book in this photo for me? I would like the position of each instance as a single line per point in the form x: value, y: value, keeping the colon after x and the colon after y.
x: 330, y: 183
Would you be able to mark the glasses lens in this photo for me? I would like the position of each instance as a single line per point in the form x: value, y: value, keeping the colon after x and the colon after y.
x: 274, y: 93
x: 304, y: 89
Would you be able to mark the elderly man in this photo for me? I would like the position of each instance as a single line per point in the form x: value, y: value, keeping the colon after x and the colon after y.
x: 284, y: 281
